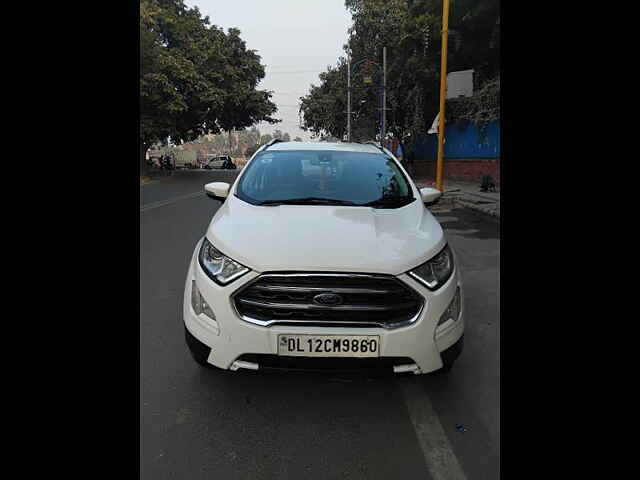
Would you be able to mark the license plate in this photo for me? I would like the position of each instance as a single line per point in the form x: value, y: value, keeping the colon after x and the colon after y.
x: 329, y: 345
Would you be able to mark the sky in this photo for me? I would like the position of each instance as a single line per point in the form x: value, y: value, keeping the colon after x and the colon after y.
x: 297, y: 39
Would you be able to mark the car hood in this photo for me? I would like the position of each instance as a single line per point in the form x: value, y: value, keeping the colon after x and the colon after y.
x: 326, y: 238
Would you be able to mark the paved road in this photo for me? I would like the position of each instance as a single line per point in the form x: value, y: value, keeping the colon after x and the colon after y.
x: 197, y: 424
x: 182, y: 182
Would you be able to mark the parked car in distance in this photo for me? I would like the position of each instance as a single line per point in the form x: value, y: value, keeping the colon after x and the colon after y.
x: 324, y: 256
x: 222, y: 161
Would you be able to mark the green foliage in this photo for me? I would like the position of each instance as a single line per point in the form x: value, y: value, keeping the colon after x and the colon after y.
x: 323, y: 108
x: 194, y: 77
x: 413, y: 68
x: 480, y: 109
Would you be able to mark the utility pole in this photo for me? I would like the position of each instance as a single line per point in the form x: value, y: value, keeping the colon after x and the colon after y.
x: 349, y: 99
x: 443, y: 93
x: 384, y: 95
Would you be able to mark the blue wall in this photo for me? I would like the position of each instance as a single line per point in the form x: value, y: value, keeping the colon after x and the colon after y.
x: 461, y: 142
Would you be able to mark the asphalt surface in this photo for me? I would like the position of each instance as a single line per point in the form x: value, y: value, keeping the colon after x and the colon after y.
x: 182, y: 182
x: 198, y: 424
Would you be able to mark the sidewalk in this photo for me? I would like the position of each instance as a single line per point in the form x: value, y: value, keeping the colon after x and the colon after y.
x: 468, y: 195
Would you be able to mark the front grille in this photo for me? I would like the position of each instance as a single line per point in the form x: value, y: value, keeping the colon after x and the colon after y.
x: 365, y: 300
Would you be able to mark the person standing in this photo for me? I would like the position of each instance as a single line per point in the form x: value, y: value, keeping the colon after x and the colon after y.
x: 400, y: 152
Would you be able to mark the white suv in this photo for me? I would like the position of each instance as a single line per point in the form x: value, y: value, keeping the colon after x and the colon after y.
x: 323, y: 256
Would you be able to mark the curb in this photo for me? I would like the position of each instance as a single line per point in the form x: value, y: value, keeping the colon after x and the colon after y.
x: 494, y: 214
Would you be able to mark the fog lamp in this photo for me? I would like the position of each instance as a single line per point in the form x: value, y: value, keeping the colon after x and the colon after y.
x: 453, y: 310
x: 198, y: 303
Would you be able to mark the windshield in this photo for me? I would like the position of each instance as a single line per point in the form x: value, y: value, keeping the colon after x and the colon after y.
x: 324, y: 177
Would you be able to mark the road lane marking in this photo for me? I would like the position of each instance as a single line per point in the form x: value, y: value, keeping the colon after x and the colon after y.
x: 438, y: 453
x: 162, y: 203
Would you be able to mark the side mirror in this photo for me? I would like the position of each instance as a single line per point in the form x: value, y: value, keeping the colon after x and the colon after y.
x: 217, y: 190
x: 430, y: 195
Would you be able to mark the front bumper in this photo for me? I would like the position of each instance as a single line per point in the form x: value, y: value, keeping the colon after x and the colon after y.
x: 231, y: 338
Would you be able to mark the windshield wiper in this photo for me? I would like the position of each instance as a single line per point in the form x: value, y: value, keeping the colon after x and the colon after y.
x: 308, y: 201
x: 388, y: 202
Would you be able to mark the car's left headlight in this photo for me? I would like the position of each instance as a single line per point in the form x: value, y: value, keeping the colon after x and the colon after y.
x: 434, y: 273
x: 218, y: 267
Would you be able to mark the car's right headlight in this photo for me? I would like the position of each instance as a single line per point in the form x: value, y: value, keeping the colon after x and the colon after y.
x: 434, y: 273
x: 218, y: 267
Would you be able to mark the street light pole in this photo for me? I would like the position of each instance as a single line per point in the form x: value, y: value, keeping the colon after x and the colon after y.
x: 443, y: 93
x: 349, y: 99
x: 384, y: 95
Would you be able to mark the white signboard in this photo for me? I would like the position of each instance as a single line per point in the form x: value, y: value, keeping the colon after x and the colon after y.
x: 460, y: 84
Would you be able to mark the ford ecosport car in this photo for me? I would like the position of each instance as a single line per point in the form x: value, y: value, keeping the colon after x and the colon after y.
x: 323, y: 256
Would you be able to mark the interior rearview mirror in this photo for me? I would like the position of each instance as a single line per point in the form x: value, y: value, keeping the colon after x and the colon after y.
x: 430, y: 195
x: 217, y: 190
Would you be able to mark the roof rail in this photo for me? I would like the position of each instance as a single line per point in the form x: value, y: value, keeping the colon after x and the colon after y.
x: 273, y: 142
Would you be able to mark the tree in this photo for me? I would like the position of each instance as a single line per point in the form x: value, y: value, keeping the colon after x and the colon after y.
x: 413, y: 67
x: 236, y: 142
x: 251, y: 149
x: 480, y: 109
x: 253, y: 136
x: 194, y: 78
x: 323, y: 108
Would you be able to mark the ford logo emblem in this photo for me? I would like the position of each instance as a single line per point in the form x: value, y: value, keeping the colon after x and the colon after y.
x: 329, y: 299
